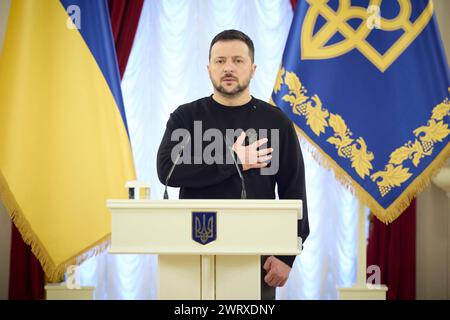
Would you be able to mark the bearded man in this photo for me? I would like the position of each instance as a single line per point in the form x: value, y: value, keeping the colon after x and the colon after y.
x: 231, y: 106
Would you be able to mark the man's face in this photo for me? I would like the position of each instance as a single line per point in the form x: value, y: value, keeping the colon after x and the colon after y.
x: 230, y: 68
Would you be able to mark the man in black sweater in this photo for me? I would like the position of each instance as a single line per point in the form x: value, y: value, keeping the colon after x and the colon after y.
x: 266, y: 147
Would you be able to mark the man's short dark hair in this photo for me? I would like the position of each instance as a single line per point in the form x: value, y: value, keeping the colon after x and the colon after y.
x: 228, y: 35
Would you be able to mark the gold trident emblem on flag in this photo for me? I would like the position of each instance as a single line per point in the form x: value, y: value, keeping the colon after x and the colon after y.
x: 314, y: 46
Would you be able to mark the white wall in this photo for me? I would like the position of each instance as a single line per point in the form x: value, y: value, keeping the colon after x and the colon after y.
x: 5, y: 222
x: 4, y: 9
x: 432, y: 241
x: 433, y: 214
x: 442, y: 10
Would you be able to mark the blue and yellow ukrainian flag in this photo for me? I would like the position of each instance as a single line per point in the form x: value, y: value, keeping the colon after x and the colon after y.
x: 64, y: 147
x: 367, y: 84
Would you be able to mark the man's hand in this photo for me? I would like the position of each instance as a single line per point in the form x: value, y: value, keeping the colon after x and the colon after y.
x: 250, y: 156
x: 277, y: 272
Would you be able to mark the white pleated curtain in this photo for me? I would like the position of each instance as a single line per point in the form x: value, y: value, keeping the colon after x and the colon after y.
x: 166, y: 68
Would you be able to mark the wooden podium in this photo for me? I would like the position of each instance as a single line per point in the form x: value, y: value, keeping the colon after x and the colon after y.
x: 208, y: 249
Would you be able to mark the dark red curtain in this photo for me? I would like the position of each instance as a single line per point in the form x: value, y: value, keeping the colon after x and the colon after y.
x: 393, y: 248
x: 124, y: 21
x: 26, y: 277
x: 294, y: 4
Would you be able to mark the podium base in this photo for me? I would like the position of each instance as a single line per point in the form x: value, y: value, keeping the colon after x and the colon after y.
x: 59, y: 291
x: 209, y: 277
x: 367, y: 292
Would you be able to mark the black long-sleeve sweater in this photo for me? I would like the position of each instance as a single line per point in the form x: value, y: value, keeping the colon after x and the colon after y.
x: 200, y: 180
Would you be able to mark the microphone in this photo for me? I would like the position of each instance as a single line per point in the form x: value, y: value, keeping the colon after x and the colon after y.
x: 166, y: 195
x: 244, y: 192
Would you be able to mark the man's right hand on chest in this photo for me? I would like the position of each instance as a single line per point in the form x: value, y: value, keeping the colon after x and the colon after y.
x: 249, y: 156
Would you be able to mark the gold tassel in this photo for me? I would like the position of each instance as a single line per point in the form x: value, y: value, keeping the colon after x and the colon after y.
x: 400, y: 204
x: 53, y: 273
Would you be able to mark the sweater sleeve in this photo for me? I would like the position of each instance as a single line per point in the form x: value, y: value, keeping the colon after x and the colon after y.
x: 291, y: 181
x: 187, y: 174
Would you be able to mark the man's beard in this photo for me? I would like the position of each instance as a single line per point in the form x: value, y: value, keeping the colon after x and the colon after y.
x: 235, y: 92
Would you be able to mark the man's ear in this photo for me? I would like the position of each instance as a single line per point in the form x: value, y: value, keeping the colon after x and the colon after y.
x: 253, y: 69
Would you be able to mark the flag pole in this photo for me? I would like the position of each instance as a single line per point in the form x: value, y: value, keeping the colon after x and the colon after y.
x: 361, y: 246
x: 361, y: 290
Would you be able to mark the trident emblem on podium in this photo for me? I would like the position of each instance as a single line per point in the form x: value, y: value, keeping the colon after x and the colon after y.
x: 204, y: 227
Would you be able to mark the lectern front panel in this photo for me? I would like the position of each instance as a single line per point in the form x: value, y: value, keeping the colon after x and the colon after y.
x: 179, y: 277
x: 238, y: 277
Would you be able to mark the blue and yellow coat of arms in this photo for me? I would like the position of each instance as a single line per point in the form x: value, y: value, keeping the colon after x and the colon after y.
x: 204, y: 227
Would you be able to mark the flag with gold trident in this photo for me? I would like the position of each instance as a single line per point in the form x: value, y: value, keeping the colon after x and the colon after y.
x: 367, y: 84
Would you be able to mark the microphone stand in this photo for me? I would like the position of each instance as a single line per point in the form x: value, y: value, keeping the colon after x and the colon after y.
x: 243, y: 192
x: 166, y: 195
